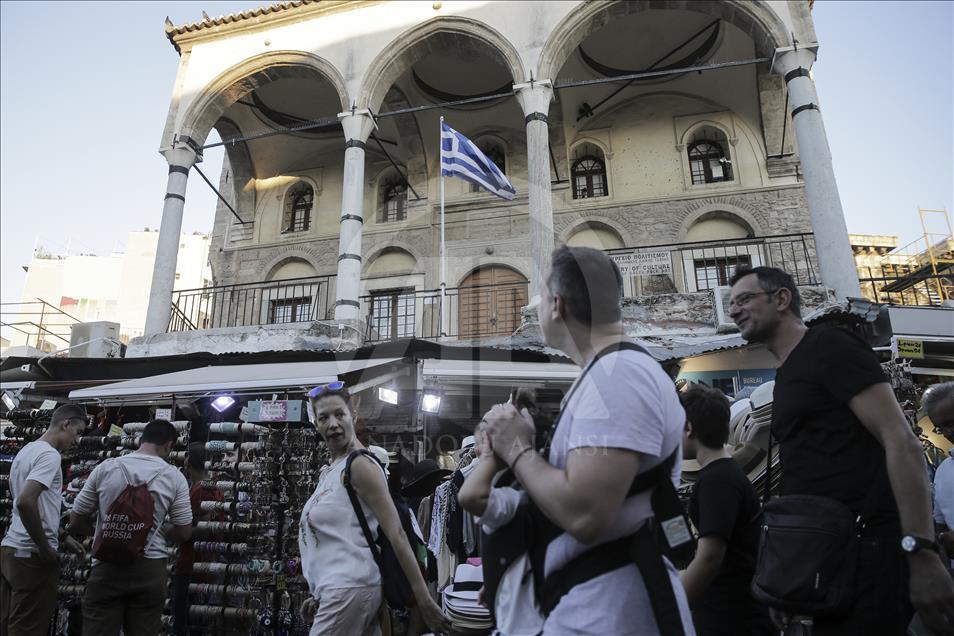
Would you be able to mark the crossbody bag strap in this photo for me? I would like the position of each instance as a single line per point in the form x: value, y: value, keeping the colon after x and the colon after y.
x: 353, y: 496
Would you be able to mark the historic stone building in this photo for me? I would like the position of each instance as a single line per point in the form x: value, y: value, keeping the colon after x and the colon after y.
x: 331, y: 188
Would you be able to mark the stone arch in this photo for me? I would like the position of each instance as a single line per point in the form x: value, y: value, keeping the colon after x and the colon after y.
x: 602, y: 226
x: 411, y: 46
x: 242, y: 168
x: 719, y: 209
x: 704, y: 123
x: 597, y: 121
x: 402, y: 255
x: 246, y: 76
x: 757, y: 19
x: 489, y: 266
x: 289, y: 257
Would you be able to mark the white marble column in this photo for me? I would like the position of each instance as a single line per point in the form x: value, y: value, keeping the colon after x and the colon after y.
x: 181, y: 158
x: 534, y: 99
x: 835, y: 261
x: 357, y: 128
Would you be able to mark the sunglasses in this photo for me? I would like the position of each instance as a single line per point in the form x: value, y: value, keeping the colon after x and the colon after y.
x: 331, y: 387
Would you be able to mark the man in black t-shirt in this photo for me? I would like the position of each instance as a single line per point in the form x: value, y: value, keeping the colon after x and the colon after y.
x: 725, y: 511
x: 841, y: 434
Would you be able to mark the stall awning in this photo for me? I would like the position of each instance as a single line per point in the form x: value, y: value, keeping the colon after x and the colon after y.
x: 244, y: 377
x: 487, y: 371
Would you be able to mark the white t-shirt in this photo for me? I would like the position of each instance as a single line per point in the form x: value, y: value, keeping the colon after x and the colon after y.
x: 334, y: 551
x: 944, y: 493
x: 169, y: 490
x: 39, y: 462
x: 515, y: 608
x: 626, y: 401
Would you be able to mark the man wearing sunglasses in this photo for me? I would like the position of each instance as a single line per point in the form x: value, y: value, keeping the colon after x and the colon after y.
x: 841, y: 434
x: 938, y: 402
x: 29, y: 555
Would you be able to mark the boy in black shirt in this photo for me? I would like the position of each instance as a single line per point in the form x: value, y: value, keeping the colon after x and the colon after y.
x: 725, y: 510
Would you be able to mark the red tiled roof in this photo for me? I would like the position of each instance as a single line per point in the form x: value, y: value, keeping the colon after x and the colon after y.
x: 207, y: 23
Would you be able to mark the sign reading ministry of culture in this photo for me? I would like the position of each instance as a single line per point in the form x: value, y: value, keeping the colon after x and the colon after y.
x: 643, y: 263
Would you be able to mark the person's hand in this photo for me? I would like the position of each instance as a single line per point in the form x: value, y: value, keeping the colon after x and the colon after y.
x: 484, y: 449
x: 433, y: 616
x: 48, y: 554
x: 307, y: 610
x: 70, y: 544
x: 932, y: 592
x: 480, y: 598
x: 510, y: 431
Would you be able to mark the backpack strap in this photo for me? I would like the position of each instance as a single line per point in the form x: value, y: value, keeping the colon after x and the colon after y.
x: 353, y: 496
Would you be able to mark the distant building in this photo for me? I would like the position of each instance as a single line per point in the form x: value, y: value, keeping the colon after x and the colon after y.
x: 60, y: 291
x: 915, y: 274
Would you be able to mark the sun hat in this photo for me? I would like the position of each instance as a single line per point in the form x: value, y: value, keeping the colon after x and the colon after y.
x: 426, y: 477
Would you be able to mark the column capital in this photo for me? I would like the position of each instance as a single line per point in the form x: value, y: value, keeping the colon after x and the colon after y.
x: 357, y: 124
x: 181, y: 153
x: 789, y: 58
x: 534, y: 97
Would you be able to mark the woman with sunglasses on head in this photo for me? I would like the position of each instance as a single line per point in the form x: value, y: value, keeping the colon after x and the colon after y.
x: 337, y: 562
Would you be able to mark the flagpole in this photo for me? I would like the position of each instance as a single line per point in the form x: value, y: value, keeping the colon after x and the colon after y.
x: 443, y: 264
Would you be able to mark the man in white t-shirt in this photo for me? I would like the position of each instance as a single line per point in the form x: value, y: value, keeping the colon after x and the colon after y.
x: 621, y: 418
x: 939, y: 403
x: 130, y: 596
x: 29, y: 555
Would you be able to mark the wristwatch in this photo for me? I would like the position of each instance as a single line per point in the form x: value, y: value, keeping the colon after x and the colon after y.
x: 911, y: 544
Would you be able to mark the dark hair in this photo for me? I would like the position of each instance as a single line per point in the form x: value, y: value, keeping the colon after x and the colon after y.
x: 342, y: 393
x: 589, y: 282
x: 67, y: 412
x: 707, y: 409
x: 526, y: 398
x: 935, y: 396
x: 196, y: 455
x: 159, y: 432
x: 772, y: 279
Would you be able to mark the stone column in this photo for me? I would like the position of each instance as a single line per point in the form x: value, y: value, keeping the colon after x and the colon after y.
x: 357, y: 128
x: 181, y: 158
x: 534, y: 98
x: 833, y: 249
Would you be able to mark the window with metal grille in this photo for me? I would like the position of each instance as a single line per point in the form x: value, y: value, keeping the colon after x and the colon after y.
x: 392, y: 313
x: 289, y: 310
x: 717, y: 270
x: 495, y: 153
x: 393, y: 202
x: 708, y: 163
x: 298, y: 206
x: 589, y: 178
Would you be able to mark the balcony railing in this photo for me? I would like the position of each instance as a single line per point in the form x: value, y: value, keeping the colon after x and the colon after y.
x: 702, y: 265
x: 250, y: 304
x: 478, y: 311
x: 925, y: 290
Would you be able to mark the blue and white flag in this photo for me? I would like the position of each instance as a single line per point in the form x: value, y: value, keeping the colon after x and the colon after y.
x: 461, y: 158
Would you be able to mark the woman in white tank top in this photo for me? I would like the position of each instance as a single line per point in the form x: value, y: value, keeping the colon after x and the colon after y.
x: 344, y: 580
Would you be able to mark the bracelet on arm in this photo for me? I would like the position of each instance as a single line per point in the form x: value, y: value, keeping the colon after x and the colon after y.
x: 513, y: 464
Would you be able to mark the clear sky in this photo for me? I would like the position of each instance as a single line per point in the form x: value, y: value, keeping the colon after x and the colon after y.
x: 85, y: 88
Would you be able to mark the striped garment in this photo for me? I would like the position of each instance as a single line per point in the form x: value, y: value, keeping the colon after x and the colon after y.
x: 461, y: 158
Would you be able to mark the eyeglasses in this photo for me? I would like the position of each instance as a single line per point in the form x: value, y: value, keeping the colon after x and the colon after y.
x: 746, y: 298
x: 329, y: 388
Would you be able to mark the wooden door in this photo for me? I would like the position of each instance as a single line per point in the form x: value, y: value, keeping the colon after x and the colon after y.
x: 490, y: 302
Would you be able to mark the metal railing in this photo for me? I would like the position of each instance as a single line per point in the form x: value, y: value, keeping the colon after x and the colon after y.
x: 473, y: 312
x: 924, y: 291
x: 251, y: 304
x: 37, y: 323
x: 702, y: 265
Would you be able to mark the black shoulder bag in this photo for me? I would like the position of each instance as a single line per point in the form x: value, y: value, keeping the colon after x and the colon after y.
x: 808, y: 551
x: 396, y: 588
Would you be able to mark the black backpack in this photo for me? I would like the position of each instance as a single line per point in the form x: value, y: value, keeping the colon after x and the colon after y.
x: 397, y: 589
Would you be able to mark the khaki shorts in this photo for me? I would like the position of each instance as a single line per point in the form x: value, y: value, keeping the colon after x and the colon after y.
x: 27, y: 594
x: 348, y: 611
x: 128, y: 596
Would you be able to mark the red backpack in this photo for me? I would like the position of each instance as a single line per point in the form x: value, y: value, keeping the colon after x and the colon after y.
x: 126, y: 527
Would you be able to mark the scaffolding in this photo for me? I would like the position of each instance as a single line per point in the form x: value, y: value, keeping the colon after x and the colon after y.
x: 924, y: 267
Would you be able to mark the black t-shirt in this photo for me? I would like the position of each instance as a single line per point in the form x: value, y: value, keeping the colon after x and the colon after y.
x: 724, y: 504
x: 824, y: 449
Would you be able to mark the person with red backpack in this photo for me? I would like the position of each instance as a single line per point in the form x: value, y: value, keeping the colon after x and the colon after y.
x: 142, y: 504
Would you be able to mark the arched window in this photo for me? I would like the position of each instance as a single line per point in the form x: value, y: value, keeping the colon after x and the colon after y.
x: 495, y: 152
x: 298, y: 204
x: 708, y: 160
x: 589, y: 178
x: 393, y: 201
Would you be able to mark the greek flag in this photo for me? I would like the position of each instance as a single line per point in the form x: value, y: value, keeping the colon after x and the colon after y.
x: 461, y: 158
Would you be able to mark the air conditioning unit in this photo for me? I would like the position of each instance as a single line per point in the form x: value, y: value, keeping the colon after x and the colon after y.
x: 720, y: 303
x: 95, y: 340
